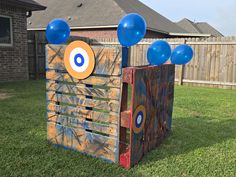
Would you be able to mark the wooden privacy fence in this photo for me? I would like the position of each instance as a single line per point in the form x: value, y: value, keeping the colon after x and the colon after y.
x: 213, y: 65
x: 36, y: 54
x: 214, y: 62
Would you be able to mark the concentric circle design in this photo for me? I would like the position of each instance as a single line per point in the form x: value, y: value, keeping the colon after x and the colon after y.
x: 139, y: 118
x: 79, y: 60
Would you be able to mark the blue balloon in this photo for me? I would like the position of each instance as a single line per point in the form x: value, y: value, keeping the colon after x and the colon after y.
x: 182, y: 54
x: 131, y: 29
x: 159, y: 52
x: 58, y: 31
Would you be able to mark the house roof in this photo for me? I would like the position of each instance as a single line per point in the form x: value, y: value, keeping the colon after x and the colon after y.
x: 206, y: 28
x: 199, y: 28
x: 188, y: 25
x: 155, y: 21
x: 27, y: 4
x: 99, y: 13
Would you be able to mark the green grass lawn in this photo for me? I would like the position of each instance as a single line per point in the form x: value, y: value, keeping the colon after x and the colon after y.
x: 202, y: 143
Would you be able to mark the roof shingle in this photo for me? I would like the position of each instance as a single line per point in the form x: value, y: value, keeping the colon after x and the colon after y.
x: 208, y: 29
x: 94, y: 13
x: 27, y: 4
x: 199, y: 28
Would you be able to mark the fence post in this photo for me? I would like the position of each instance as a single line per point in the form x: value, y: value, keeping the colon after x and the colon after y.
x: 181, y: 72
x: 181, y: 75
x: 36, y: 59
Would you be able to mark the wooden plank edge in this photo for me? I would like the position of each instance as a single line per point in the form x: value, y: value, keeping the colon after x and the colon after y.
x: 81, y: 101
x: 86, y: 114
x: 125, y: 119
x: 80, y: 123
x: 95, y: 80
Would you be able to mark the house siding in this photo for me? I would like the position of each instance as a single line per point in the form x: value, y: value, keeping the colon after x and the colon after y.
x: 14, y: 60
x: 109, y: 33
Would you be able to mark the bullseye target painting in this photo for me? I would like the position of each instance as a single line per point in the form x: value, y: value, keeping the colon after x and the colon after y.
x: 79, y: 60
x: 139, y: 118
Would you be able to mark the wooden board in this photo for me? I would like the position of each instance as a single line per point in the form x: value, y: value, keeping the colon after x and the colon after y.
x: 112, y: 118
x: 79, y: 122
x: 110, y: 81
x: 82, y: 101
x: 80, y: 89
x: 108, y: 59
x: 170, y: 91
x: 83, y: 141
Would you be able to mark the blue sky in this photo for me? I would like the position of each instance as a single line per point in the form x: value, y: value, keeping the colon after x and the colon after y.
x: 218, y: 13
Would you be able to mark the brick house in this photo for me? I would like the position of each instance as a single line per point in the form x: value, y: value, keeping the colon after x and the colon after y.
x: 13, y: 38
x: 100, y: 18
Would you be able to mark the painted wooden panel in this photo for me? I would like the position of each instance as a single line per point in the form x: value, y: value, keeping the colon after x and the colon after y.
x: 108, y: 59
x: 83, y: 141
x: 110, y: 81
x: 171, y: 83
x: 82, y: 101
x: 85, y: 113
x: 145, y: 93
x: 80, y: 89
x: 153, y: 88
x: 164, y: 99
x: 139, y: 98
x: 82, y: 123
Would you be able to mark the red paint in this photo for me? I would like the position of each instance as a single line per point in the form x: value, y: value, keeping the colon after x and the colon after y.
x: 125, y: 159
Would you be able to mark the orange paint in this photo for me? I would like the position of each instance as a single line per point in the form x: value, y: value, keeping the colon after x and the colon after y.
x: 88, y: 49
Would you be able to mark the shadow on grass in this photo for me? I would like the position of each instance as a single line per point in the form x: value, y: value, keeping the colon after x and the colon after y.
x: 191, y: 133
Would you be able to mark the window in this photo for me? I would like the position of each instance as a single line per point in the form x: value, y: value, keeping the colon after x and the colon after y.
x: 6, y: 37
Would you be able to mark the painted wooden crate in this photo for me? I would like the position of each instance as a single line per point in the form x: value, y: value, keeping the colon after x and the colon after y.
x: 92, y: 116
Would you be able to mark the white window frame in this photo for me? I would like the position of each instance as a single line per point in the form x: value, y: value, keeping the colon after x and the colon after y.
x: 11, y: 32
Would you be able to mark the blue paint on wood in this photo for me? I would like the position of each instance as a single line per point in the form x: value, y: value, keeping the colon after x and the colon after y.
x: 125, y: 57
x: 81, y: 152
